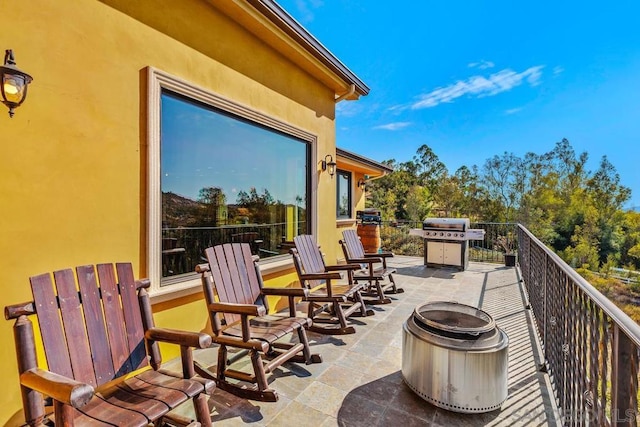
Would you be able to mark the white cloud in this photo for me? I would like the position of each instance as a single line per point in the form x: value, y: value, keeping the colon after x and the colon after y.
x: 513, y: 111
x: 305, y: 8
x: 480, y: 86
x: 393, y: 126
x: 348, y: 109
x: 483, y: 65
x: 557, y: 70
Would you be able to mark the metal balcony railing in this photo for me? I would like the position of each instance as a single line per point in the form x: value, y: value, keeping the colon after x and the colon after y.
x: 183, y: 248
x: 590, y: 345
x: 395, y: 236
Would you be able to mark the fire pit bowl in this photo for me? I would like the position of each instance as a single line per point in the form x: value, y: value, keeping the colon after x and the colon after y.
x: 455, y: 357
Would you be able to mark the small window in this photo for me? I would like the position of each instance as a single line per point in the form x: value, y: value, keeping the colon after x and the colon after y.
x: 343, y: 202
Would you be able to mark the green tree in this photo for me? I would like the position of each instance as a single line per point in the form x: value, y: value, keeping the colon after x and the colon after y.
x: 214, y: 206
x: 504, y: 179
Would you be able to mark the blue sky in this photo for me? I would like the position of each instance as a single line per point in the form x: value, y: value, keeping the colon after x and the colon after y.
x: 473, y: 79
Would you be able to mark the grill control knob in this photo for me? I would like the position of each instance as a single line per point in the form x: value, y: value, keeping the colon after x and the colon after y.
x: 461, y: 234
x: 448, y: 234
x: 441, y: 233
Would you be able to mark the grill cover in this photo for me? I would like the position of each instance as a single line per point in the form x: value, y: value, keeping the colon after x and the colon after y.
x: 369, y: 216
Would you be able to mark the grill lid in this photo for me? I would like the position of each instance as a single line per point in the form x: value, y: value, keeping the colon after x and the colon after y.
x: 455, y: 224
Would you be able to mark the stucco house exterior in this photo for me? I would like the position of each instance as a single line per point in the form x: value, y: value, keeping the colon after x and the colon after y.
x: 135, y: 100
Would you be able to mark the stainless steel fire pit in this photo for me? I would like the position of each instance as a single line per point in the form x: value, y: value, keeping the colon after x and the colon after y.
x: 455, y: 357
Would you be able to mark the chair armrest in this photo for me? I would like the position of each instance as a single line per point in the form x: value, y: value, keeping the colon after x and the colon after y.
x: 203, y: 268
x: 380, y: 255
x: 58, y: 387
x: 286, y: 292
x: 321, y: 276
x: 367, y: 260
x: 175, y: 336
x: 236, y: 308
x: 342, y: 267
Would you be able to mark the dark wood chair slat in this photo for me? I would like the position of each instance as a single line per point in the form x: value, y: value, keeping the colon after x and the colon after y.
x: 132, y: 316
x: 374, y: 271
x: 234, y: 272
x: 94, y: 319
x: 74, y: 327
x: 114, y: 319
x: 99, y: 409
x: 329, y: 303
x: 55, y: 344
x: 92, y: 330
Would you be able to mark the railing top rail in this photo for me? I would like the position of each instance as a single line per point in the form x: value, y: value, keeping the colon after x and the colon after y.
x: 626, y: 324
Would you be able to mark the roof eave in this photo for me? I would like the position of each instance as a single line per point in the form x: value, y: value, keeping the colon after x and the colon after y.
x: 285, y: 22
x: 365, y: 161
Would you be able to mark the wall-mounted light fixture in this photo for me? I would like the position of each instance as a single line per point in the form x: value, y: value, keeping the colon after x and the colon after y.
x: 362, y: 184
x: 13, y: 83
x: 329, y: 165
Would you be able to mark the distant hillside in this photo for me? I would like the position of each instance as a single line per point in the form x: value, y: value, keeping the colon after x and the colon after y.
x: 179, y: 210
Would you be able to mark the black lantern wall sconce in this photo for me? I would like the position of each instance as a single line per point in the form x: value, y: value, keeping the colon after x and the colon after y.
x: 329, y: 165
x: 13, y: 83
x: 362, y: 184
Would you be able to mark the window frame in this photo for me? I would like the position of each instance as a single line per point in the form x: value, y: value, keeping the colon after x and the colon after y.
x: 157, y: 82
x: 349, y: 176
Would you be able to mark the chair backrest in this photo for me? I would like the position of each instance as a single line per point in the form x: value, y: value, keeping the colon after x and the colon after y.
x: 308, y: 258
x: 352, y: 245
x: 310, y: 255
x: 236, y: 277
x: 91, y: 322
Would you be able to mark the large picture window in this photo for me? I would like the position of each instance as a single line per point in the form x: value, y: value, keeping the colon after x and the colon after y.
x: 225, y: 180
x: 219, y: 173
x: 343, y: 194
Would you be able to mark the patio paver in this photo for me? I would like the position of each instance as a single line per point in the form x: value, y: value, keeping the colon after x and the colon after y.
x: 359, y: 382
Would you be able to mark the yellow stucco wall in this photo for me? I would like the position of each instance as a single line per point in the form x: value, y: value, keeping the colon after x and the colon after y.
x: 72, y: 172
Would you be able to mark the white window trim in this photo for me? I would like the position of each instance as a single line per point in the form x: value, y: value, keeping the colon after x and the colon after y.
x: 157, y: 81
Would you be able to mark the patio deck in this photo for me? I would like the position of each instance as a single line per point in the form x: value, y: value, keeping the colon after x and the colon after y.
x: 359, y: 382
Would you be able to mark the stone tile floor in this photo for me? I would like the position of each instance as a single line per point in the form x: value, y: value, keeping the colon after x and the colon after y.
x: 359, y: 382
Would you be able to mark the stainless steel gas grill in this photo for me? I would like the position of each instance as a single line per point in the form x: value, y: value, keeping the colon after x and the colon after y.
x: 446, y: 241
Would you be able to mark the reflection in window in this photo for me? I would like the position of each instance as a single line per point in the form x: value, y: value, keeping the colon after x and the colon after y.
x: 226, y: 179
x: 343, y: 202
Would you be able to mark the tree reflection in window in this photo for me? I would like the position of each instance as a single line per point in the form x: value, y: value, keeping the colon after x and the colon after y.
x: 225, y: 179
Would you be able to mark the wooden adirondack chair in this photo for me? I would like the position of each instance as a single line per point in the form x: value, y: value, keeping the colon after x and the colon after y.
x: 239, y: 320
x: 374, y: 268
x: 95, y: 331
x: 329, y: 303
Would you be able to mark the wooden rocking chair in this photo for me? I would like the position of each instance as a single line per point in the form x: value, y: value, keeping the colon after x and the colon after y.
x: 329, y: 303
x: 239, y: 320
x: 95, y: 332
x: 374, y: 268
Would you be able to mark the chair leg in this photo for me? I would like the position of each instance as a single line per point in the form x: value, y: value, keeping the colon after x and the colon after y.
x: 222, y: 362
x: 394, y: 288
x: 306, y: 351
x: 340, y: 315
x: 202, y: 410
x: 363, y: 308
x: 376, y: 289
x: 63, y: 414
x: 258, y: 369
